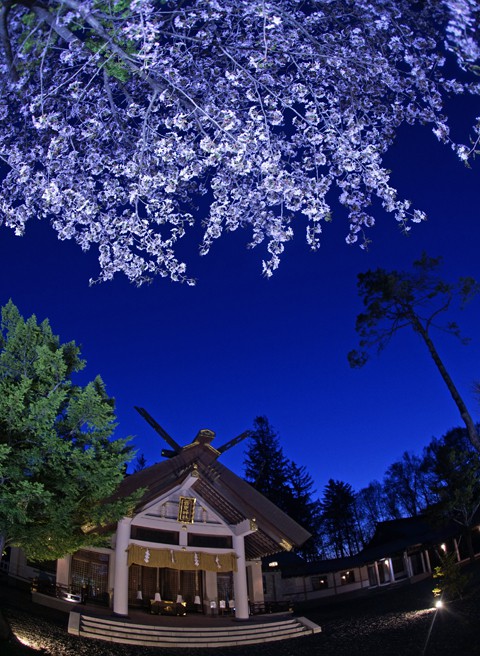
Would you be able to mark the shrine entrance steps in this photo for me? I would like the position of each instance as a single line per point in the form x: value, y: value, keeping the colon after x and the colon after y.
x: 174, y: 634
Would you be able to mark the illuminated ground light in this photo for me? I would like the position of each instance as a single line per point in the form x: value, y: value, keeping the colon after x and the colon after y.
x: 418, y: 614
x: 28, y: 642
x: 438, y: 603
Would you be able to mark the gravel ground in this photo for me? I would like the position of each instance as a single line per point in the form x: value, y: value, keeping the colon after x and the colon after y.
x: 394, y: 623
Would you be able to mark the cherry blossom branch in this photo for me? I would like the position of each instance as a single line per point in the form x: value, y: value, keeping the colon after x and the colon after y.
x: 5, y: 39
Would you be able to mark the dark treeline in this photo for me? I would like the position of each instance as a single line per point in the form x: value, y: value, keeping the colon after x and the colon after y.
x: 444, y: 482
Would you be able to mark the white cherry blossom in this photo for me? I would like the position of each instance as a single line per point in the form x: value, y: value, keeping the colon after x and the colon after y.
x: 118, y: 116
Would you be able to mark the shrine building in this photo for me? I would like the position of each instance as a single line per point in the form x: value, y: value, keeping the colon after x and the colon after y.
x: 196, y: 537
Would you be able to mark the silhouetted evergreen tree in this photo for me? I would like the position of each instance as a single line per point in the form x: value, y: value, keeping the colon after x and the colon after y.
x: 285, y: 483
x: 303, y: 508
x: 406, y: 487
x: 139, y: 463
x: 371, y: 508
x: 339, y: 521
x: 266, y: 467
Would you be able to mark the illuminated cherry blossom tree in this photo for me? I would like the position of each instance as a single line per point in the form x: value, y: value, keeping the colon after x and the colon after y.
x: 119, y: 117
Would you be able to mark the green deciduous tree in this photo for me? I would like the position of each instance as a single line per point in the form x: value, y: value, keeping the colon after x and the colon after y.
x: 451, y: 581
x: 58, y: 462
x: 454, y: 469
x: 399, y: 299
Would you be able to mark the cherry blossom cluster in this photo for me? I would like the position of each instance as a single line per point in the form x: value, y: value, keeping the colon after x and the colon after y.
x: 129, y: 123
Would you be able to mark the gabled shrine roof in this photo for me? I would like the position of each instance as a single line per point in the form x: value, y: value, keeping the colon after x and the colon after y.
x: 232, y: 498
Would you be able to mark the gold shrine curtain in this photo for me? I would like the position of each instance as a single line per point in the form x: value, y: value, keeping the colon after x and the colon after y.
x: 182, y: 560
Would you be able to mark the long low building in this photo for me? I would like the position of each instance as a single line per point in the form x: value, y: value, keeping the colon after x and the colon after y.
x: 406, y: 549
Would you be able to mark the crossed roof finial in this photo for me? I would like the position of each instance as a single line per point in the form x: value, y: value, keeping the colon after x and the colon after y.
x: 204, y: 436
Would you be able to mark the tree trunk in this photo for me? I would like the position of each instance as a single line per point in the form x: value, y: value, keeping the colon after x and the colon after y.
x: 5, y: 40
x: 469, y: 542
x: 5, y: 630
x: 462, y: 408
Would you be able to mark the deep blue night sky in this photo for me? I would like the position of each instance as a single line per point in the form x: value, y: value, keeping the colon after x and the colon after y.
x: 238, y: 345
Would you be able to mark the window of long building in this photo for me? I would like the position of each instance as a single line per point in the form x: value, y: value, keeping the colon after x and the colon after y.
x: 319, y: 582
x: 154, y: 535
x: 347, y: 577
x: 49, y: 566
x: 210, y: 541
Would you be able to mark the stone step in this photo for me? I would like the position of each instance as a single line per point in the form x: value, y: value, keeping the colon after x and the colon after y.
x: 179, y: 641
x: 188, y: 637
x: 231, y: 629
x: 148, y: 635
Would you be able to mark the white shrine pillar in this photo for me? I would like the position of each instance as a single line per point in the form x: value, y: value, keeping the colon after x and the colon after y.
x: 120, y: 583
x: 255, y: 582
x: 377, y: 573
x: 390, y: 569
x: 18, y: 563
x: 63, y: 570
x: 240, y: 579
x: 408, y: 564
x: 427, y: 561
x: 240, y: 576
